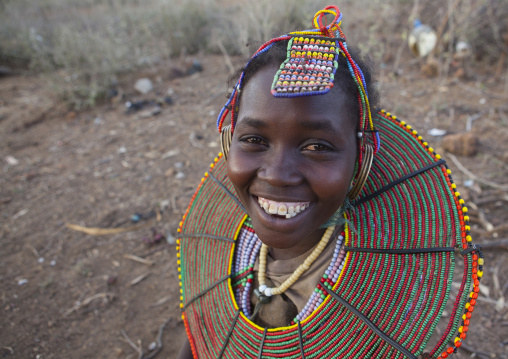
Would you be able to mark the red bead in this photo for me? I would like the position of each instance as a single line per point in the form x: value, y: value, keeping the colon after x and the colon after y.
x: 458, y: 344
x: 444, y: 355
x: 466, y: 322
x: 449, y: 350
x: 462, y: 336
x: 468, y: 315
x: 471, y: 308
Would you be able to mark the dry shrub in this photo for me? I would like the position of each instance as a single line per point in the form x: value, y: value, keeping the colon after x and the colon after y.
x: 86, y: 44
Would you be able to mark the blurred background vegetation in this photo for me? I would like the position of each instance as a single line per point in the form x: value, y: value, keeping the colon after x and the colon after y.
x: 85, y: 45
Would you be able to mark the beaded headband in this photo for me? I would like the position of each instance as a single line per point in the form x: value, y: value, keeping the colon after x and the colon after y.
x: 309, y: 69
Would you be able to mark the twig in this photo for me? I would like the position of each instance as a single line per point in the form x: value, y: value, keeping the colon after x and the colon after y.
x: 139, y: 259
x: 87, y: 301
x: 128, y: 340
x: 161, y: 301
x: 481, y: 217
x: 159, y: 341
x: 138, y: 279
x: 105, y: 231
x: 471, y: 119
x: 503, y: 243
x: 226, y: 57
x: 482, y: 355
x: 33, y: 250
x: 474, y: 177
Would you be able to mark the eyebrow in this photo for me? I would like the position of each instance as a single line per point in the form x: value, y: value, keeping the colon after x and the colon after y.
x: 252, y: 122
x: 311, y: 125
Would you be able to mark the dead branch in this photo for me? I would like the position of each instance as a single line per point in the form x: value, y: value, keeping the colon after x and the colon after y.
x: 159, y: 341
x: 88, y: 300
x: 226, y: 57
x: 503, y: 244
x: 139, y: 259
x: 475, y: 177
x: 138, y: 348
x: 106, y: 231
x: 139, y: 279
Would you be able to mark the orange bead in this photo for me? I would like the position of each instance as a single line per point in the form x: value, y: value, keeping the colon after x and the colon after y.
x: 449, y: 350
x: 444, y: 355
x: 458, y: 344
x: 463, y: 336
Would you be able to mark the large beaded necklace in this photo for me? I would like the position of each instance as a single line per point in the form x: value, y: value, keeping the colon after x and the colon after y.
x: 249, y: 247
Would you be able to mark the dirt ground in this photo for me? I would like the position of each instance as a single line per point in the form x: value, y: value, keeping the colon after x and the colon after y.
x: 69, y: 294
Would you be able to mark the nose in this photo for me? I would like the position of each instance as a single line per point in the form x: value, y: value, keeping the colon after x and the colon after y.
x: 280, y: 167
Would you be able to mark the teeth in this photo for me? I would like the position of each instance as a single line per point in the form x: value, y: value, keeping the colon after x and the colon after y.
x: 288, y: 209
x: 273, y: 208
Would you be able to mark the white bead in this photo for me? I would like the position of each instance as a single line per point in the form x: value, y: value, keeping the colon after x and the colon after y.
x: 268, y: 292
x: 262, y: 288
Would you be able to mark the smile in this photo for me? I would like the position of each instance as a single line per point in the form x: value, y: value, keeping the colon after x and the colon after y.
x: 284, y: 209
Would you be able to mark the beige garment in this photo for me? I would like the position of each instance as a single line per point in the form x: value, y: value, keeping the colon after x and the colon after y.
x: 283, y: 308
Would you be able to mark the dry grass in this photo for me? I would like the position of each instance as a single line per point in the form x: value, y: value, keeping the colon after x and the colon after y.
x: 86, y: 44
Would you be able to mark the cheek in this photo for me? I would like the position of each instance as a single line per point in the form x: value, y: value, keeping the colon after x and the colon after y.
x: 240, y: 169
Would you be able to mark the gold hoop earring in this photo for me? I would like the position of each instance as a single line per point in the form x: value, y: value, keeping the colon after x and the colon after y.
x: 226, y: 137
x: 364, y: 173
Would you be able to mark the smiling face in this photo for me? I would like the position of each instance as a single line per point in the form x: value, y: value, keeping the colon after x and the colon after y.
x: 291, y: 162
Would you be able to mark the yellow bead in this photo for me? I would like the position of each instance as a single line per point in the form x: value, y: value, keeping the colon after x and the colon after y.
x: 409, y: 127
x: 178, y: 241
x: 180, y: 276
x: 467, y: 307
x: 181, y: 291
x: 425, y: 144
x: 183, y: 316
x: 178, y: 262
x: 461, y: 201
x: 467, y: 228
x: 457, y: 194
x: 480, y: 261
x: 479, y: 274
x: 181, y: 298
x: 461, y: 329
x: 464, y: 209
x: 456, y: 340
x: 449, y: 171
x: 454, y: 185
x: 179, y: 269
x: 469, y: 239
x: 420, y: 138
x: 466, y: 218
x: 471, y: 295
x: 438, y: 157
x: 415, y: 132
x: 394, y: 117
x: 464, y: 317
x: 431, y: 149
x: 181, y: 306
x: 383, y: 111
x: 401, y: 122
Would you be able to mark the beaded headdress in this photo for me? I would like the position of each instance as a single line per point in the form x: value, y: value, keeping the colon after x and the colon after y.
x: 309, y: 69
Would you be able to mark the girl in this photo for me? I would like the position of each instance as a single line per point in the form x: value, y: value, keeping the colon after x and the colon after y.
x: 324, y: 229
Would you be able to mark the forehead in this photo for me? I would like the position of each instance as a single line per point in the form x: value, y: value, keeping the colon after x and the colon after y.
x: 258, y: 102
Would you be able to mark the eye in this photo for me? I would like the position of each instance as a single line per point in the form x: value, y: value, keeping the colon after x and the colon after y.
x: 317, y: 147
x: 253, y: 140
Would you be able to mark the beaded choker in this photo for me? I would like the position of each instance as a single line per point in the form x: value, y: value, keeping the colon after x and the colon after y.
x: 297, y: 273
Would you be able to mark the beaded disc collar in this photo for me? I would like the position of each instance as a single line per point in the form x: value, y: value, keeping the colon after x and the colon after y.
x: 396, y: 278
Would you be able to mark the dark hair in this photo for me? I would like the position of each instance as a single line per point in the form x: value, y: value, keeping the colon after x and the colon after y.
x: 343, y: 79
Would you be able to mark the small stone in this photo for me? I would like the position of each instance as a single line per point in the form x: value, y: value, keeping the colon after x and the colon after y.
x: 143, y: 85
x: 11, y: 160
x: 462, y: 144
x: 170, y: 172
x: 152, y: 346
x: 169, y: 238
x: 122, y: 150
x: 22, y: 281
x: 436, y: 132
x: 180, y: 175
x: 40, y: 260
x: 170, y: 153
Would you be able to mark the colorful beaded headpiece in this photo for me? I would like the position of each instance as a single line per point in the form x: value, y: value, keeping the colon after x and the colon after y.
x: 309, y: 69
